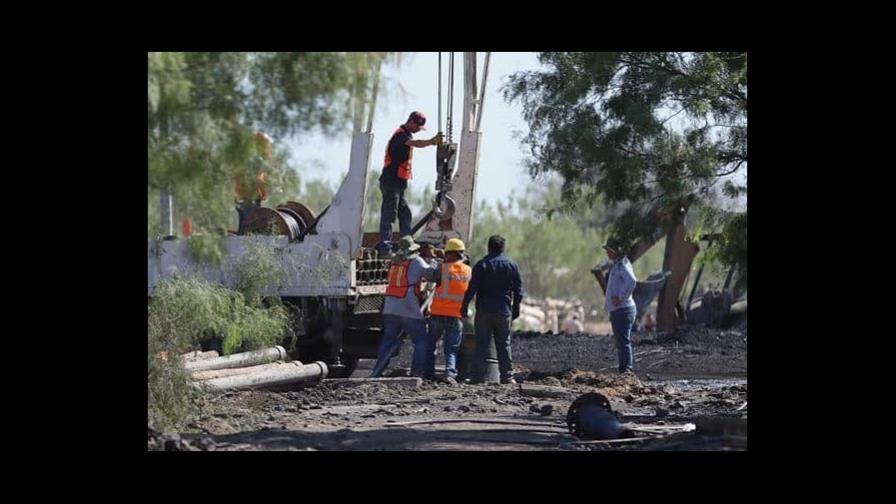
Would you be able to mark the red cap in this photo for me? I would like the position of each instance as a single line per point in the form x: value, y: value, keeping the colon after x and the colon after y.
x: 417, y: 118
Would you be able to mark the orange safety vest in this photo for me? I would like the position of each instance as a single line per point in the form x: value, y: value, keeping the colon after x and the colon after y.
x: 241, y: 192
x: 404, y: 169
x: 398, y: 279
x: 449, y: 295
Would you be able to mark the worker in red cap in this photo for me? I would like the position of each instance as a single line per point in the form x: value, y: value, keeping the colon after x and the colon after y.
x: 395, y: 176
x: 260, y: 161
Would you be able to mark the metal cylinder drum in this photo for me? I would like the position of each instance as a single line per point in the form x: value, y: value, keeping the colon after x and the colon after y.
x: 467, y: 367
x: 245, y: 359
x: 286, y: 374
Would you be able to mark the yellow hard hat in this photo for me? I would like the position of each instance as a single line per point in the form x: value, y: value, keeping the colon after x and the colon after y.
x: 454, y: 245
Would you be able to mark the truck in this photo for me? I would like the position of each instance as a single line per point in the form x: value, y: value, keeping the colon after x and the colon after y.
x: 334, y: 280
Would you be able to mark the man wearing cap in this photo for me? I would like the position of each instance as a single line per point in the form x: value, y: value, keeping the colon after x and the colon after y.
x: 395, y: 176
x: 260, y: 165
x: 620, y: 305
x: 401, y: 309
x: 453, y: 279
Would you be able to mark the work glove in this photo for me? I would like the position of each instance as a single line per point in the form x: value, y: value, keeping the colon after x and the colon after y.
x: 464, y: 313
x: 439, y: 139
x: 516, y: 312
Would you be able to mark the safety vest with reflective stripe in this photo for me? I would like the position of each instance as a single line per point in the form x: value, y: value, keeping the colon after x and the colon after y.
x: 449, y: 294
x: 398, y: 279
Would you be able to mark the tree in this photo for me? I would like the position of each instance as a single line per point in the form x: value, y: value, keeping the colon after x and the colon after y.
x: 641, y: 131
x: 555, y: 252
x: 203, y: 109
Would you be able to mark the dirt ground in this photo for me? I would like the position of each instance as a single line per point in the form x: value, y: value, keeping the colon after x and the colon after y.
x: 690, y: 393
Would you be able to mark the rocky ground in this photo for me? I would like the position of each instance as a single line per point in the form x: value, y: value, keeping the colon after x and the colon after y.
x: 690, y: 393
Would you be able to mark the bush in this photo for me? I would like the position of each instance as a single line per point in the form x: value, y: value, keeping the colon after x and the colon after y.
x: 171, y: 398
x: 186, y: 313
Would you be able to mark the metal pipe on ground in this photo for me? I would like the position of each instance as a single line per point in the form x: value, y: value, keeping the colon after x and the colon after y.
x: 220, y: 373
x: 277, y: 353
x: 738, y: 308
x: 287, y: 374
x: 199, y: 354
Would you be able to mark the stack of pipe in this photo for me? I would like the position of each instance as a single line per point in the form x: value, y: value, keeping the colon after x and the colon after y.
x: 264, y: 368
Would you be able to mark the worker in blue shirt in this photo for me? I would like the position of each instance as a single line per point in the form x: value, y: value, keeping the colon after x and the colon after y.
x: 497, y: 287
x: 619, y: 304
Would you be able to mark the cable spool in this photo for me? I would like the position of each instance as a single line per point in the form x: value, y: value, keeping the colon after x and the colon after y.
x: 267, y: 221
x: 306, y: 215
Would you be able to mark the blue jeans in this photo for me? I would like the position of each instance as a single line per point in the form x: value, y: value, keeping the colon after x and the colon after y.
x: 393, y: 325
x: 495, y: 325
x: 622, y: 321
x: 394, y: 205
x: 453, y: 330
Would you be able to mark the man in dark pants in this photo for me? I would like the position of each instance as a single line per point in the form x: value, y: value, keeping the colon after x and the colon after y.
x: 498, y: 289
x: 447, y: 301
x: 395, y: 176
x: 401, y: 309
x: 621, y: 283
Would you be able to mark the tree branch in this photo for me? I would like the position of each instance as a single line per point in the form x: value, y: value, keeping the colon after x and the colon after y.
x: 736, y: 167
x: 683, y: 108
x: 634, y: 153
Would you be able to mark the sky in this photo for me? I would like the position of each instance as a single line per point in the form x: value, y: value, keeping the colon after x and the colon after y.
x: 501, y: 155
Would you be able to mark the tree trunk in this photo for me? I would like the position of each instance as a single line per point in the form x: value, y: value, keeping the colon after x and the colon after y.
x: 680, y: 253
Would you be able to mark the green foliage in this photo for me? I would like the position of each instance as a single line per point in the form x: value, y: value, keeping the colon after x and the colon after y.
x: 171, y: 399
x: 555, y: 254
x: 649, y: 132
x: 733, y: 244
x: 207, y: 248
x: 257, y: 270
x: 204, y: 108
x: 730, y: 246
x: 185, y: 313
x: 192, y: 311
x: 318, y: 194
